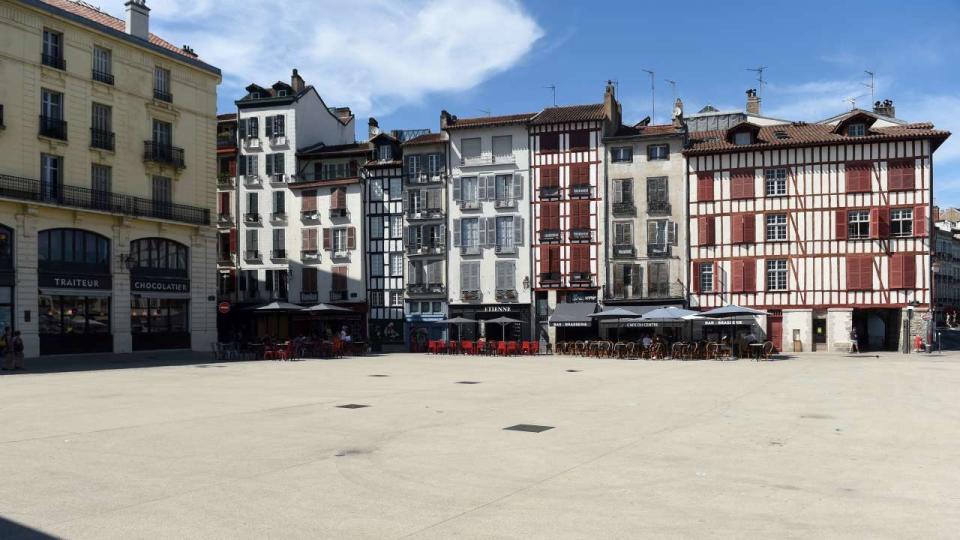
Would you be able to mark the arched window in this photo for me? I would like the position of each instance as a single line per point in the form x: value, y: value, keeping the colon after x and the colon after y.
x: 159, y: 256
x: 73, y: 250
x: 6, y: 248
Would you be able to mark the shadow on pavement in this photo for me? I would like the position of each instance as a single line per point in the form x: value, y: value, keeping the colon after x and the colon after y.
x: 104, y: 361
x: 11, y: 530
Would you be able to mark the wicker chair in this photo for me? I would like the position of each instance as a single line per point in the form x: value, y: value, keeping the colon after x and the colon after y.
x: 767, y: 349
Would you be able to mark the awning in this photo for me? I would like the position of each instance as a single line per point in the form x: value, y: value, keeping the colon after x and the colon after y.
x: 637, y: 310
x: 573, y: 315
x: 93, y: 293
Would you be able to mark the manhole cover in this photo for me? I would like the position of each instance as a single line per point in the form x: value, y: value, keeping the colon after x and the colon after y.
x: 468, y: 382
x: 530, y: 428
x: 351, y: 406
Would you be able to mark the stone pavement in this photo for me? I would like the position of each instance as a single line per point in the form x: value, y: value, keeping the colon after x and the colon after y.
x: 811, y: 446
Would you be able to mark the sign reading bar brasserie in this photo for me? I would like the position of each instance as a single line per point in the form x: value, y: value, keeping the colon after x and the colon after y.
x: 68, y: 281
x: 164, y: 285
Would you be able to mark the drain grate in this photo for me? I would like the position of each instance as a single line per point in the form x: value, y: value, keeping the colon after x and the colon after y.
x: 351, y: 406
x: 529, y: 428
x: 468, y: 382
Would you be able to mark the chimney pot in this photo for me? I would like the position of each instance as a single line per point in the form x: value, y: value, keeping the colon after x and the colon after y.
x: 373, y: 128
x: 138, y: 19
x: 296, y: 82
x: 753, y: 102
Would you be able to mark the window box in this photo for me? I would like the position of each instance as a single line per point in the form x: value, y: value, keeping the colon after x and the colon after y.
x: 469, y: 250
x: 624, y: 252
x: 251, y: 143
x: 549, y: 193
x: 224, y: 219
x: 581, y: 192
x: 338, y: 296
x: 581, y: 278
x: 278, y: 217
x: 338, y: 212
x: 471, y: 296
x: 278, y: 178
x: 581, y: 235
x: 550, y: 277
x: 310, y: 215
x: 225, y: 181
x: 659, y: 251
x: 550, y: 236
x: 505, y: 250
x: 469, y: 205
x: 505, y: 203
x: 309, y: 297
x: 252, y: 180
x: 506, y: 295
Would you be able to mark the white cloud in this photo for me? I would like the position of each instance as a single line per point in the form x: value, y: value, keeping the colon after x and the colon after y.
x: 370, y: 55
x: 816, y: 100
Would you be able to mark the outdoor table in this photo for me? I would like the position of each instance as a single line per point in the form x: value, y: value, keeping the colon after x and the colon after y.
x: 756, y: 350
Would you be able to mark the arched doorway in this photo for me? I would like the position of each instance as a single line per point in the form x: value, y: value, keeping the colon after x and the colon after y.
x: 159, y: 294
x: 73, y: 267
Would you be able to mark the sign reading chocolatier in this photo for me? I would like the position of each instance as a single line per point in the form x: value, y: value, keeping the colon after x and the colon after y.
x: 159, y: 284
x: 74, y: 281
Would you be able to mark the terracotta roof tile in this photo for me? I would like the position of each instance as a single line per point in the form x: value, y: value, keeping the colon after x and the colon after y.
x: 658, y: 130
x: 802, y: 134
x: 429, y: 138
x: 571, y: 113
x: 97, y: 16
x: 487, y: 121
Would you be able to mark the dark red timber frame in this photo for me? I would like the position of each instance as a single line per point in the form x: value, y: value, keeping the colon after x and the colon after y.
x: 568, y: 161
x: 815, y: 237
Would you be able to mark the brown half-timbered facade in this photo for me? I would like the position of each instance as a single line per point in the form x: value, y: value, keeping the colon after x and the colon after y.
x: 826, y: 226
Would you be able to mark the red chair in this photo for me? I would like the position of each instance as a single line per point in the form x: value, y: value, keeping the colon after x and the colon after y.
x: 525, y: 348
x: 501, y: 348
x: 481, y: 346
x: 467, y: 347
x: 288, y: 353
x: 512, y: 348
x: 452, y: 347
x: 535, y: 347
x: 270, y: 353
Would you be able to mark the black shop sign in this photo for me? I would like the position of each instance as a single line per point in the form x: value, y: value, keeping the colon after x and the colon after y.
x: 75, y: 281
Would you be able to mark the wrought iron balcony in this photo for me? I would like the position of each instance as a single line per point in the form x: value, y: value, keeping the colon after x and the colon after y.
x: 309, y: 256
x: 424, y: 213
x: 658, y: 208
x: 25, y: 189
x: 471, y: 296
x: 426, y: 177
x: 550, y: 278
x: 225, y: 220
x: 649, y: 291
x: 506, y: 295
x: 278, y: 254
x: 583, y: 191
x: 505, y: 249
x: 549, y: 193
x: 55, y: 128
x: 505, y: 203
x: 102, y: 76
x: 54, y: 61
x: 624, y: 252
x: 338, y: 296
x: 581, y: 279
x: 425, y: 288
x: 309, y: 296
x: 426, y: 248
x: 626, y: 208
x: 659, y: 251
x: 163, y: 153
x: 101, y: 139
x: 581, y: 235
x: 226, y: 181
x: 550, y: 236
x: 252, y: 218
x: 470, y: 250
x: 278, y: 217
x: 251, y: 255
x: 226, y: 141
x: 469, y: 205
x: 162, y: 95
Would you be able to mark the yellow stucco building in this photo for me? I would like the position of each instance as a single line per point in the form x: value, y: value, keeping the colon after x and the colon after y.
x: 107, y: 182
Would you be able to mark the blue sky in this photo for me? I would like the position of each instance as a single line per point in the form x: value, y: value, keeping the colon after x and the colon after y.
x: 405, y: 60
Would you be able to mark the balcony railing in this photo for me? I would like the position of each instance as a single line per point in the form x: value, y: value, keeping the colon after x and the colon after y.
x: 505, y: 203
x: 251, y: 218
x: 624, y: 209
x: 503, y: 249
x: 649, y: 291
x: 225, y: 181
x: 252, y: 180
x: 506, y: 295
x: 658, y: 208
x: 471, y: 296
x: 426, y: 248
x: 278, y: 254
x: 581, y: 235
x: 338, y: 212
x: 338, y: 296
x: 549, y: 193
x: 659, y: 251
x: 102, y: 76
x: 426, y: 177
x: 309, y: 296
x: 251, y: 255
x: 225, y: 142
x: 469, y: 205
x: 584, y: 191
x: 426, y: 288
x: 225, y: 259
x: 581, y: 279
x: 278, y: 178
x: 624, y: 252
x: 470, y: 250
x: 54, y: 128
x: 549, y: 236
x: 310, y: 215
x: 424, y: 213
x: 101, y: 139
x: 162, y: 95
x: 225, y: 220
x: 550, y: 278
x: 54, y: 61
x: 278, y: 217
x: 309, y: 255
x: 163, y: 153
x: 13, y: 187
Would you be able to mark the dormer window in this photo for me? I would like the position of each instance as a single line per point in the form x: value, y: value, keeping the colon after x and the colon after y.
x: 255, y: 95
x: 281, y: 93
x: 856, y: 130
x: 385, y: 152
x: 742, y: 137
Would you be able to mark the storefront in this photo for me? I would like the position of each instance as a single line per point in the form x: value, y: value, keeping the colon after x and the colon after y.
x: 423, y: 327
x: 573, y: 321
x: 519, y: 331
x: 75, y: 285
x: 159, y: 294
x: 7, y: 279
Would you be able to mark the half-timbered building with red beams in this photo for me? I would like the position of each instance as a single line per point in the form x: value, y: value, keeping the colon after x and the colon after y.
x: 566, y: 168
x: 826, y: 226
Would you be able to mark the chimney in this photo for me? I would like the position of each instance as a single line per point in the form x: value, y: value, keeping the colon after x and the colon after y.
x: 678, y: 114
x: 753, y: 102
x: 373, y: 128
x: 138, y: 19
x: 447, y: 119
x: 296, y: 82
x: 611, y: 108
x: 885, y: 108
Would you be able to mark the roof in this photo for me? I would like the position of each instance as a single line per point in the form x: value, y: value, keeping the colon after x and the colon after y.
x: 323, y: 150
x: 841, y: 116
x: 638, y: 130
x: 227, y: 116
x: 89, y: 14
x: 570, y: 113
x: 429, y: 138
x: 489, y: 121
x: 802, y: 134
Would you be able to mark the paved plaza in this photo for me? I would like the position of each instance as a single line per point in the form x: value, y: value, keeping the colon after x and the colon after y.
x: 811, y: 446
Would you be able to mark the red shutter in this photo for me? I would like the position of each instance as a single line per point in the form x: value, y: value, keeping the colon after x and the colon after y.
x: 706, y: 230
x: 840, y: 227
x: 351, y: 238
x: 857, y: 175
x: 920, y: 221
x: 705, y: 186
x: 580, y: 214
x: 750, y: 229
x: 736, y: 276
x: 579, y: 174
x: 695, y: 278
x: 742, y: 184
x: 544, y: 259
x: 327, y: 242
x: 580, y: 259
x: 736, y: 228
x: 901, y: 175
x: 909, y: 271
x: 749, y: 275
x: 879, y: 223
x: 232, y: 167
x: 550, y: 176
x: 339, y: 281
x: 551, y: 215
x: 853, y: 273
x: 309, y: 203
x: 896, y: 271
x: 225, y: 204
x: 233, y: 241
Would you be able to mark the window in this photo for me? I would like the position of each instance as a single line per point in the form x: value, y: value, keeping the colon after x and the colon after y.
x: 549, y: 143
x: 470, y: 277
x: 279, y: 244
x: 60, y: 249
x: 661, y: 235
x: 51, y: 115
x: 162, y: 190
x: 376, y: 265
x: 309, y: 239
x: 162, y: 133
x: 376, y: 298
x: 622, y: 233
x: 579, y: 140
x: 657, y: 196
x: 53, y: 49
x: 658, y: 279
x: 250, y: 166
x: 332, y: 171
x: 856, y: 130
x: 51, y: 176
x: 101, y: 126
x: 437, y: 308
x: 470, y: 148
x: 776, y: 227
x: 506, y: 276
x: 623, y: 191
x: 503, y: 146
x: 414, y: 166
x: 279, y: 202
x: 385, y: 152
x: 276, y: 126
x: 308, y: 279
x: 396, y: 264
x: 395, y: 186
x: 505, y: 232
x: 468, y: 190
x: 253, y: 242
x: 102, y: 65
x: 100, y: 182
x: 657, y: 152
x: 901, y: 222
x: 470, y: 232
x: 340, y: 241
x: 376, y: 189
x: 414, y: 307
x: 434, y: 164
x: 621, y: 153
x: 742, y: 137
x: 275, y: 164
x: 396, y: 226
x: 161, y: 84
x: 776, y: 182
x: 777, y: 275
x: 252, y: 203
x: 706, y: 277
x: 377, y: 228
x: 858, y: 224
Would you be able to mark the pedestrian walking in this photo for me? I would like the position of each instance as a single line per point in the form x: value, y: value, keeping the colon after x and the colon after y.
x: 854, y: 341
x: 6, y: 343
x: 17, y: 351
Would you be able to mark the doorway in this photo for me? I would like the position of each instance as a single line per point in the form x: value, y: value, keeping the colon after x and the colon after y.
x: 819, y: 333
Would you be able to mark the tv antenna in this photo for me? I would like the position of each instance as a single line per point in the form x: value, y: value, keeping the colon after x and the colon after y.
x: 653, y: 96
x: 759, y: 72
x: 553, y: 88
x: 853, y: 101
x: 872, y: 86
x: 673, y: 85
x: 484, y: 111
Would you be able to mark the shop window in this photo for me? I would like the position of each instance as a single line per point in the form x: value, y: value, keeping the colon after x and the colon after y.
x: 73, y: 250
x: 159, y: 256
